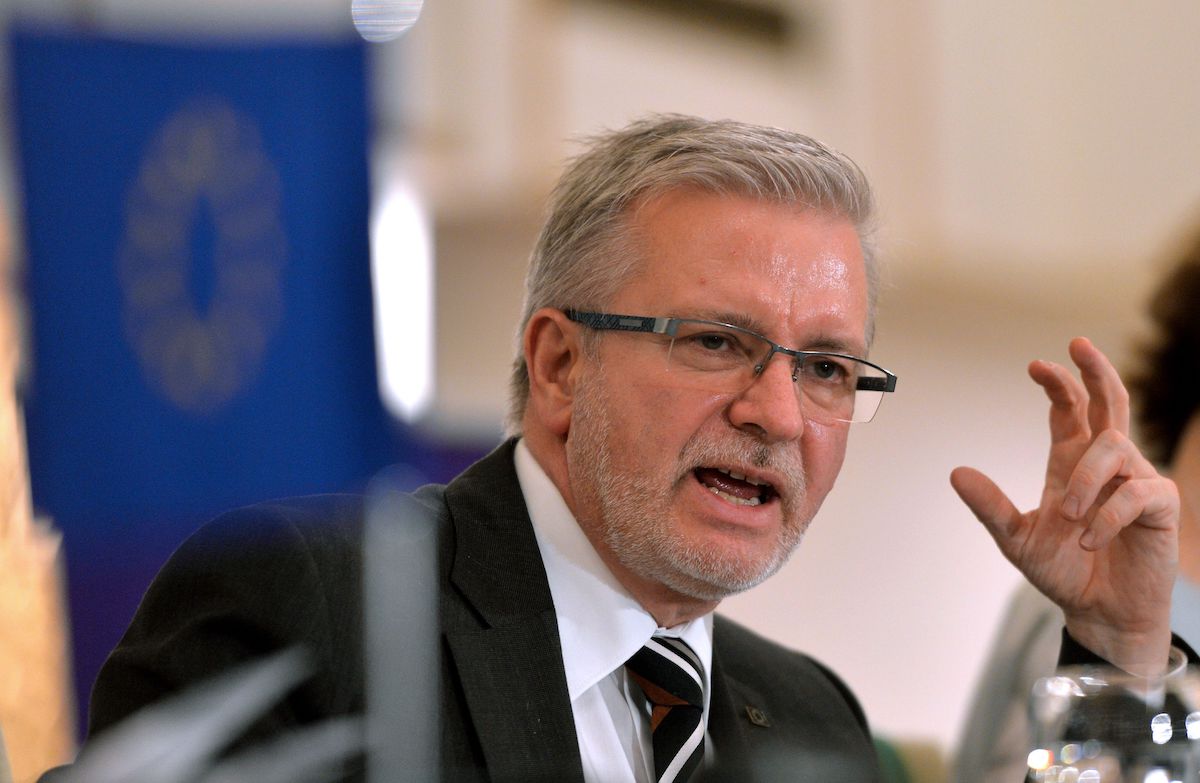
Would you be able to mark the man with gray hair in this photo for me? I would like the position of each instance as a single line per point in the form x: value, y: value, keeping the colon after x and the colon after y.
x: 698, y: 313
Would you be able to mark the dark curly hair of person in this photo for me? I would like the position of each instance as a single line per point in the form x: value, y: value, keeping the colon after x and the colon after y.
x: 1164, y: 384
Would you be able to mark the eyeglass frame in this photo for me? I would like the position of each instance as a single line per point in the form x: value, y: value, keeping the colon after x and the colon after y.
x: 669, y: 325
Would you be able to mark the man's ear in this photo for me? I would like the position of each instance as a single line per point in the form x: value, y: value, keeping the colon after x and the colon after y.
x: 553, y: 358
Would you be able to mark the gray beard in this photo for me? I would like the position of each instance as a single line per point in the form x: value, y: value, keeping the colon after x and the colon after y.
x: 643, y: 543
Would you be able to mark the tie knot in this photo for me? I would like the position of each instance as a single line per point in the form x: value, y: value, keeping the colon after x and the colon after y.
x: 669, y: 672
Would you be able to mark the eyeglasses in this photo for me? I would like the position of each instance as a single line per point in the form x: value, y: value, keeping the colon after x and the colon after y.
x: 725, y: 358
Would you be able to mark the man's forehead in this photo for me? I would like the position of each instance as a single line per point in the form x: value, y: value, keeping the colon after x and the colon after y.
x: 764, y: 265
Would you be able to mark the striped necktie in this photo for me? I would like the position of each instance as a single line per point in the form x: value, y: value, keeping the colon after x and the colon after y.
x: 672, y: 678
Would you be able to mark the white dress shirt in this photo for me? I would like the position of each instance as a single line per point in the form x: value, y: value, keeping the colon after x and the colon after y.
x: 600, y: 626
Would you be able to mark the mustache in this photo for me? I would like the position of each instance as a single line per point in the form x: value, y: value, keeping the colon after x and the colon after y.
x: 711, y: 448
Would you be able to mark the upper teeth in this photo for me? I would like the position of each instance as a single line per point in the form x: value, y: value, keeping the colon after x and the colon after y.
x: 741, y: 477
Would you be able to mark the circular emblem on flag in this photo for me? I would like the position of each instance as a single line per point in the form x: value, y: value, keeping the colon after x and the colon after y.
x: 200, y: 259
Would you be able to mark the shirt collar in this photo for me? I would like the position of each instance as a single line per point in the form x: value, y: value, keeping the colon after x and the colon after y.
x: 600, y: 625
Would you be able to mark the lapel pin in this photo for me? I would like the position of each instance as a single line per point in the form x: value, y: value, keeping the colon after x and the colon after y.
x: 757, y: 716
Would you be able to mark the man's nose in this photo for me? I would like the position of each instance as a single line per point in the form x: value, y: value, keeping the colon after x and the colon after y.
x: 770, y: 407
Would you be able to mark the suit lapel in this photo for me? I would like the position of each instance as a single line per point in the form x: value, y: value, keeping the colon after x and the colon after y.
x: 516, y: 696
x: 510, y: 664
x: 729, y: 723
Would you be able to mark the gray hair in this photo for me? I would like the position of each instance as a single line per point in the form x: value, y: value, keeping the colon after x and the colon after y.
x: 585, y: 252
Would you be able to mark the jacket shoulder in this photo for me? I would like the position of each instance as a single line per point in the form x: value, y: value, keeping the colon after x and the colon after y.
x: 257, y: 579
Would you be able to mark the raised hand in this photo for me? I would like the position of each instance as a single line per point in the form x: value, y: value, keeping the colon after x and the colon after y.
x: 1103, y: 542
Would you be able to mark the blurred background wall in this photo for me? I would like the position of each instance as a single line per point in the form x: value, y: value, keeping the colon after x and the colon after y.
x: 1034, y: 162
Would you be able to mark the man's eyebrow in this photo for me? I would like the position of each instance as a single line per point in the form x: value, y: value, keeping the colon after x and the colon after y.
x: 820, y: 342
x: 834, y: 345
x: 732, y: 318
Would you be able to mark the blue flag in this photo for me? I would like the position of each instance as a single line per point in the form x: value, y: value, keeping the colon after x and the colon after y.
x: 195, y: 224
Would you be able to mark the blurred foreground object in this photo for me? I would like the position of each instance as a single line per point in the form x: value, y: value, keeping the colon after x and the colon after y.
x: 379, y: 21
x: 180, y: 740
x: 1104, y: 725
x: 36, y: 713
x: 402, y: 633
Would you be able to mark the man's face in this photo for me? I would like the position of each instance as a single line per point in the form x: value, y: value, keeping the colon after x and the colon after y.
x: 707, y: 493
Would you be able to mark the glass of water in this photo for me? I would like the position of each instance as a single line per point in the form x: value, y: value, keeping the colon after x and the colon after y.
x: 1103, y: 725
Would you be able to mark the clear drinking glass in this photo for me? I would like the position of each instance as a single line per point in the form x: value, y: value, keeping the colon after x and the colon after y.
x: 1103, y: 725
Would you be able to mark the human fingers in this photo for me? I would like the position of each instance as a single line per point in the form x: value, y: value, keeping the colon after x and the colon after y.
x: 1068, y: 400
x: 1110, y: 457
x: 1151, y: 502
x: 989, y: 504
x: 1108, y: 400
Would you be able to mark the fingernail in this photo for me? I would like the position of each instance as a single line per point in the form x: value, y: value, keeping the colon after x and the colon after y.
x: 1088, y: 539
x: 1071, y: 507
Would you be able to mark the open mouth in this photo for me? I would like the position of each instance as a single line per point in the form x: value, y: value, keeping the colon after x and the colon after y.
x: 736, y: 488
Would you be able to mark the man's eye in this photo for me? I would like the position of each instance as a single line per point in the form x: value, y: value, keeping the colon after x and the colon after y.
x: 714, y: 342
x: 827, y: 370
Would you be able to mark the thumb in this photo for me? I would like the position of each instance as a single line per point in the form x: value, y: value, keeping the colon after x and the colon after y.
x: 988, y: 503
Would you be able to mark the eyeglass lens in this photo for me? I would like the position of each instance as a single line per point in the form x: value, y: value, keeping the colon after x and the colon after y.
x: 724, y: 359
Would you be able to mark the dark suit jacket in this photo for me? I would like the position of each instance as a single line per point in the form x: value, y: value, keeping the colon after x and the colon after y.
x: 289, y: 572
